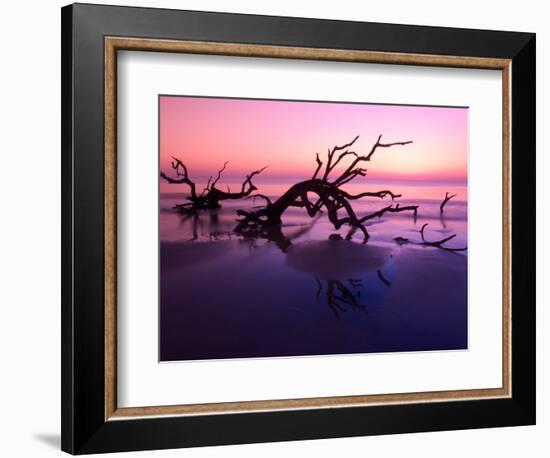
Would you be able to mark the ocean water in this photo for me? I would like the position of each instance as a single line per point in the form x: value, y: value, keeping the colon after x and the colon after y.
x: 223, y: 295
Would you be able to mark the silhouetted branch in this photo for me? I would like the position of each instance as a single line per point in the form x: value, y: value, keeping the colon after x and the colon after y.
x: 435, y: 243
x: 330, y: 166
x: 260, y: 196
x: 390, y: 209
x: 380, y: 194
x: 182, y: 176
x: 353, y: 170
x: 384, y: 145
x: 319, y: 165
x: 219, y: 174
x: 447, y: 198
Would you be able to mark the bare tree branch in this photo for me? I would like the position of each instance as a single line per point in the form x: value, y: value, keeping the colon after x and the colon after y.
x: 260, y: 196
x: 380, y: 194
x: 220, y: 173
x: 390, y: 209
x: 182, y: 176
x: 353, y: 171
x: 319, y: 165
x: 436, y: 243
x: 330, y: 166
x: 384, y: 145
x: 447, y: 198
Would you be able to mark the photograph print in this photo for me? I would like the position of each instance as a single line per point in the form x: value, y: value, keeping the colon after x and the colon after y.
x: 298, y: 228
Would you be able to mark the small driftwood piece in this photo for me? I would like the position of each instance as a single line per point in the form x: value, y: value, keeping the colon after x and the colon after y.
x: 435, y: 243
x: 447, y: 198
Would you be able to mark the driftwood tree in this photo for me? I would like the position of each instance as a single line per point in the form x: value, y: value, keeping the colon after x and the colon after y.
x: 325, y: 187
x: 211, y: 195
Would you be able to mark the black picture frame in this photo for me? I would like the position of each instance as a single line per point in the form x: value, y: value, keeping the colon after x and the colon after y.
x: 84, y: 428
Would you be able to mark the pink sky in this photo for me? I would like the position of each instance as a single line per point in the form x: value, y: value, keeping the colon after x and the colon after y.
x: 285, y: 135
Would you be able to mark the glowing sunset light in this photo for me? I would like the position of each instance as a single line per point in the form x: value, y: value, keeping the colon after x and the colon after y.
x: 286, y: 135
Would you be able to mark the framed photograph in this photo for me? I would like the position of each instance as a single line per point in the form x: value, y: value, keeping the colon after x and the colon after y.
x: 283, y: 228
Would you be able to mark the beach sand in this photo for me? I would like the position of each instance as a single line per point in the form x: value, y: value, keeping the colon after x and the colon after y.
x: 228, y: 299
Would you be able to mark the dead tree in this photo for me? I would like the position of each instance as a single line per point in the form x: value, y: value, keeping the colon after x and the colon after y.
x: 435, y: 243
x: 326, y: 185
x: 211, y: 195
x: 447, y: 198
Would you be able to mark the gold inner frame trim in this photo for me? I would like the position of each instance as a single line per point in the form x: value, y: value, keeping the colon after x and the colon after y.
x: 112, y: 45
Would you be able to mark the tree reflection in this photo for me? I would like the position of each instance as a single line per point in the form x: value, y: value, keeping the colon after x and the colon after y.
x: 338, y: 295
x: 338, y: 265
x: 335, y: 264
